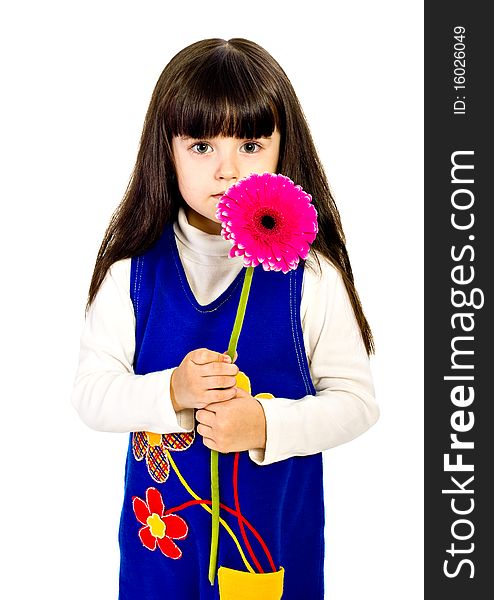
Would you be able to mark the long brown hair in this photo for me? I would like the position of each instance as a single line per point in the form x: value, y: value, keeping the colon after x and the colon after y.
x: 214, y: 88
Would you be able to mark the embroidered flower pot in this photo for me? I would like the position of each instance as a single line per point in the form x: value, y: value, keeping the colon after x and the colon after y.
x: 242, y: 585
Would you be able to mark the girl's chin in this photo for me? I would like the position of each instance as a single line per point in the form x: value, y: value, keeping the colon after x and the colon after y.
x: 206, y: 224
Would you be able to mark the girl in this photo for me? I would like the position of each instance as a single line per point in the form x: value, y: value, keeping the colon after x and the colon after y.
x: 161, y: 305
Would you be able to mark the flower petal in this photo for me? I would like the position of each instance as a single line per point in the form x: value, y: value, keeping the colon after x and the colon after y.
x: 147, y: 538
x: 268, y: 218
x: 139, y: 444
x: 157, y: 463
x: 141, y: 510
x: 155, y: 501
x: 176, y: 527
x: 169, y: 548
x: 178, y: 441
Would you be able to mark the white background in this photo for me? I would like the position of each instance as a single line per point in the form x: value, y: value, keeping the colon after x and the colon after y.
x: 76, y: 81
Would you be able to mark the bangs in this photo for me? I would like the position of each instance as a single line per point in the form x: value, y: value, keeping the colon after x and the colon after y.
x: 221, y: 99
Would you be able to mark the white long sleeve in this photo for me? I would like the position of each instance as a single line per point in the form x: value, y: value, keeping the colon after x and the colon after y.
x: 344, y: 405
x: 110, y: 397
x: 107, y: 394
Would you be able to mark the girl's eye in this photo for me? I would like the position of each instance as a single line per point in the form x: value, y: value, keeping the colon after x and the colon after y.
x: 201, y: 147
x: 251, y: 147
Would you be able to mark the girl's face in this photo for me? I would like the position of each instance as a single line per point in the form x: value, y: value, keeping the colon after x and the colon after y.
x: 206, y: 168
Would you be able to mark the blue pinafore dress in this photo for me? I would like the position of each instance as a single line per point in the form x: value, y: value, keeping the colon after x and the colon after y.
x: 273, y: 515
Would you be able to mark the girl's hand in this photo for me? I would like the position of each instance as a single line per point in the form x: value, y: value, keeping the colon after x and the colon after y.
x: 234, y: 425
x: 203, y: 377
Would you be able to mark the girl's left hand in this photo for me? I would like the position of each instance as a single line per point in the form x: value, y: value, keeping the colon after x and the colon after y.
x: 233, y: 425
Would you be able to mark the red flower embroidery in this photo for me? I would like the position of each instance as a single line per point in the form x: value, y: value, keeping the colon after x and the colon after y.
x: 159, y: 529
x: 153, y: 446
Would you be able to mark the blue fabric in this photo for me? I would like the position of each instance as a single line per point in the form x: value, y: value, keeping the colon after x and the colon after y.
x: 282, y: 501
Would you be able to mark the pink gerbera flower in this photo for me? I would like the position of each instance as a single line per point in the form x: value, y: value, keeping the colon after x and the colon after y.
x: 269, y: 220
x: 159, y: 529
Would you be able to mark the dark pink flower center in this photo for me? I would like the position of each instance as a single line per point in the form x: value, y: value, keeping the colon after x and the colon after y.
x: 267, y: 221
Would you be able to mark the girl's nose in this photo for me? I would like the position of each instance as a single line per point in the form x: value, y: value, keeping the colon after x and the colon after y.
x: 227, y: 168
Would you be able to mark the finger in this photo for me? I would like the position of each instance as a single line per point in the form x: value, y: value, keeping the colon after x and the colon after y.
x: 217, y: 368
x: 234, y: 358
x: 217, y: 396
x: 203, y: 356
x: 205, y: 431
x: 242, y: 393
x: 209, y: 443
x: 214, y: 382
x: 205, y: 416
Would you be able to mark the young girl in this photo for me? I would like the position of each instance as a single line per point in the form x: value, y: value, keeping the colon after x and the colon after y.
x: 161, y: 306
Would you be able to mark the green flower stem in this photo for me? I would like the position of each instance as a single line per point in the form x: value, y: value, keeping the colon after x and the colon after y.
x: 239, y: 319
x: 215, y: 484
x: 215, y: 516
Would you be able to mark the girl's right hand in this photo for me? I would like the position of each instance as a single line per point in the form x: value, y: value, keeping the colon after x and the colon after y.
x: 203, y: 377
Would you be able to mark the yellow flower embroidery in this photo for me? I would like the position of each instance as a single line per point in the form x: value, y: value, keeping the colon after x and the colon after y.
x: 243, y: 382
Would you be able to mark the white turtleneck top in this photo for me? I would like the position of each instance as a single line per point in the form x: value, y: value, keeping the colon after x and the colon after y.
x: 110, y: 397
